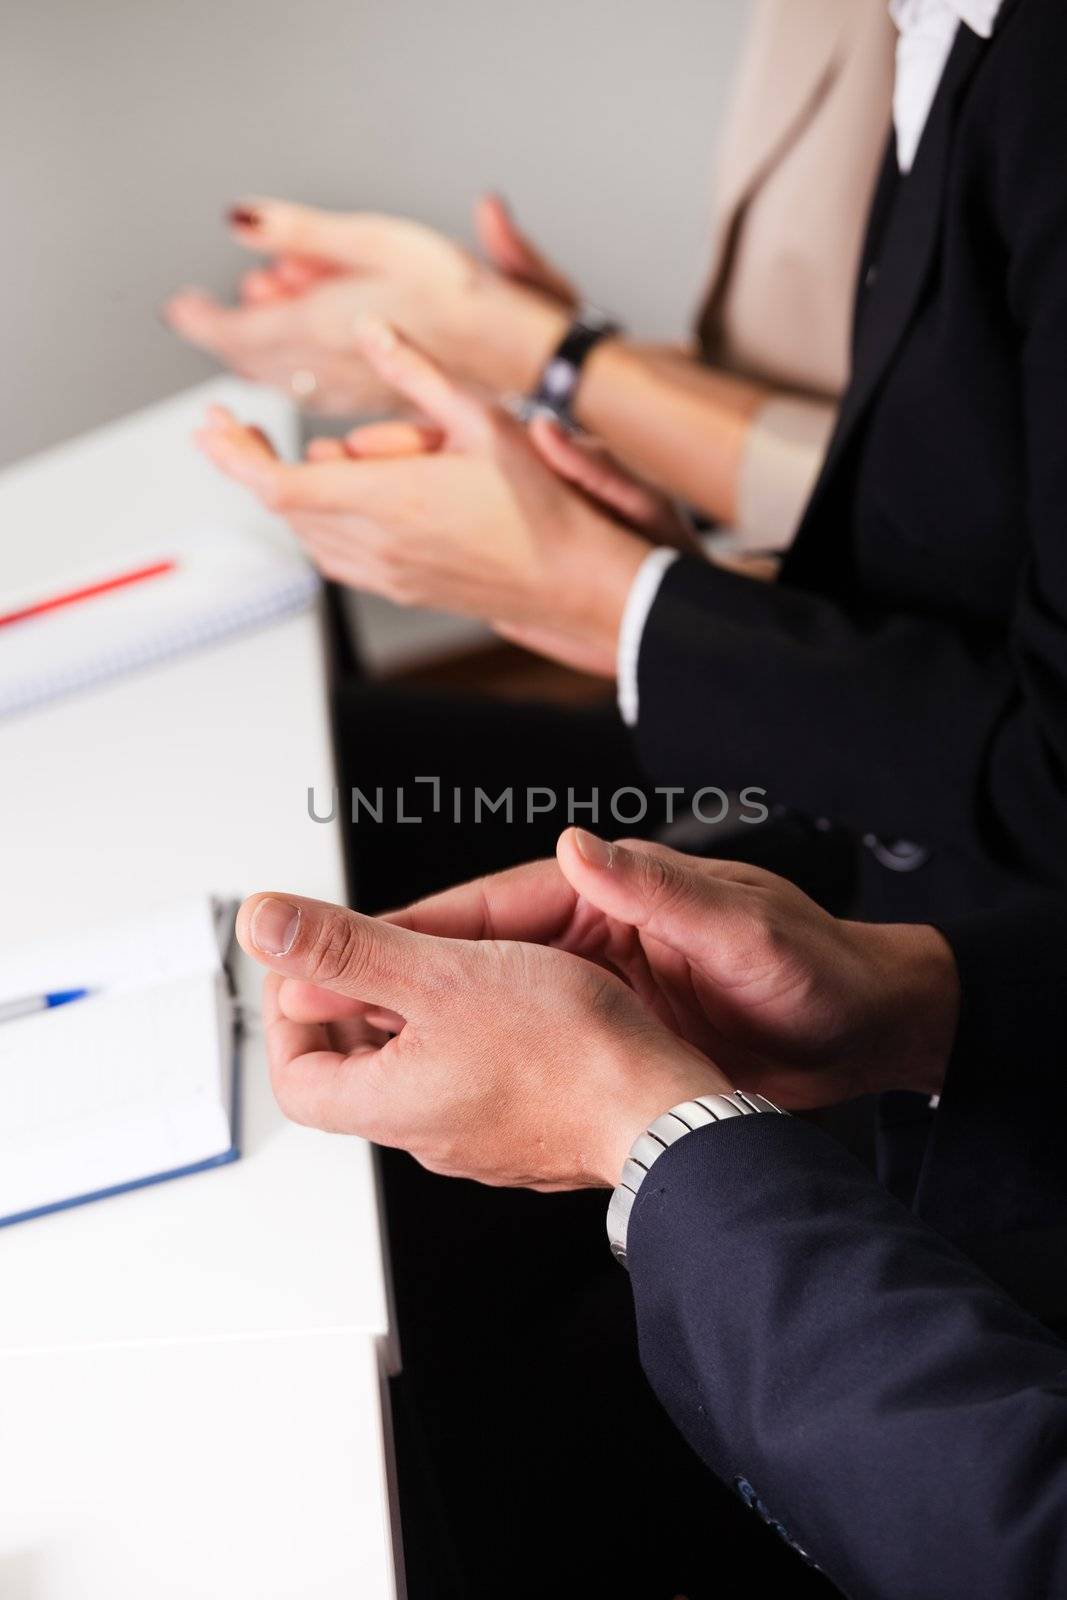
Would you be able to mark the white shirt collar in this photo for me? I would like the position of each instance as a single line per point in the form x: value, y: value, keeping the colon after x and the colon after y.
x: 928, y: 29
x: 978, y: 15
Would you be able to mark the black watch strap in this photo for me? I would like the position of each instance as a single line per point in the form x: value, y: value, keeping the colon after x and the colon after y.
x: 558, y: 383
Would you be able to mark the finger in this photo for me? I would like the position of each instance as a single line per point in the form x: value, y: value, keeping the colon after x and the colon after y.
x: 387, y: 440
x: 260, y: 435
x: 669, y: 895
x: 591, y: 468
x: 513, y: 253
x: 285, y: 278
x: 326, y: 450
x: 356, y: 956
x: 580, y: 460
x: 243, y: 453
x: 222, y: 428
x: 206, y: 322
x: 198, y: 316
x: 375, y: 490
x: 356, y: 240
x: 338, y: 485
x: 420, y: 380
x: 330, y: 1089
x: 350, y: 1023
x: 308, y: 1002
x: 533, y: 902
x: 299, y: 273
x: 289, y: 1037
x: 314, y: 1082
x: 260, y: 287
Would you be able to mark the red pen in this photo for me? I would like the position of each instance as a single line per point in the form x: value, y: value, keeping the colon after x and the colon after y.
x: 87, y: 591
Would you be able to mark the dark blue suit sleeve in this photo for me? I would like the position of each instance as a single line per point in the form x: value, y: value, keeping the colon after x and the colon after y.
x: 878, y: 1399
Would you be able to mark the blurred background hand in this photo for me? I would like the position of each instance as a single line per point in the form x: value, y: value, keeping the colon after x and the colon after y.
x: 493, y: 323
x: 478, y: 525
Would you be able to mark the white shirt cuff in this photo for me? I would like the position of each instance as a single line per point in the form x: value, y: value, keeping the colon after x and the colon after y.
x: 643, y: 592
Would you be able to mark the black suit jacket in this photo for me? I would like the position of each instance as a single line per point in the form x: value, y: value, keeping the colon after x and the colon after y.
x: 908, y: 674
x: 990, y: 1172
x: 889, y: 1409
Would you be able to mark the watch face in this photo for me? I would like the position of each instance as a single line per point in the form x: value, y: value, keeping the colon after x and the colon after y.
x: 558, y: 378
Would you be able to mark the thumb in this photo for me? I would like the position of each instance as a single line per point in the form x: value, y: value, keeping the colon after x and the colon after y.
x: 664, y: 893
x: 590, y: 467
x: 349, y: 954
x: 422, y: 381
x: 511, y: 252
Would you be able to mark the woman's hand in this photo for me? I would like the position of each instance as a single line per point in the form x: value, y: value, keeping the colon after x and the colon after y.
x: 295, y: 328
x: 508, y: 1063
x: 788, y: 1001
x: 480, y: 526
x: 579, y: 461
x: 502, y: 243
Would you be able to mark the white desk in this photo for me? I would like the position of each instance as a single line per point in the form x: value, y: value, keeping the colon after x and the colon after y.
x: 189, y: 1375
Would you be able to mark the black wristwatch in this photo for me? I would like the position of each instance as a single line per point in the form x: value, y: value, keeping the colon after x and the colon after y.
x: 558, y: 383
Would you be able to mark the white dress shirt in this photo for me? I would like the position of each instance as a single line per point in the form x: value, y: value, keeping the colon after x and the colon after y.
x: 927, y: 30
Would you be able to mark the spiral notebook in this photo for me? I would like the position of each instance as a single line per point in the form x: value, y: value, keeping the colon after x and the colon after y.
x: 223, y: 580
x: 136, y: 1083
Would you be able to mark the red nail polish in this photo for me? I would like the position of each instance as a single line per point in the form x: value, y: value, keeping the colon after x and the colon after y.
x: 242, y: 217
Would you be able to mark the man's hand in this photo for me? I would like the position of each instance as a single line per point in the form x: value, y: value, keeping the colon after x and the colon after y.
x: 294, y: 327
x: 786, y: 999
x: 506, y: 1062
x: 479, y: 525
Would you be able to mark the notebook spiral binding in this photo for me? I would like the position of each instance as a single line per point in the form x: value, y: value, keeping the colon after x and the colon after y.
x: 27, y: 692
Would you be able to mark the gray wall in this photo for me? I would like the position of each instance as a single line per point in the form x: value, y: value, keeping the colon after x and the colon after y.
x: 126, y: 125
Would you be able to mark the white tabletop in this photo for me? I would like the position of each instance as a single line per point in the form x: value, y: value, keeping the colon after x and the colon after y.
x: 189, y: 777
x: 223, y: 1470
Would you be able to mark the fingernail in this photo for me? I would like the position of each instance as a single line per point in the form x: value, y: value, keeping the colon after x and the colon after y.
x: 596, y: 852
x: 274, y: 925
x: 243, y: 217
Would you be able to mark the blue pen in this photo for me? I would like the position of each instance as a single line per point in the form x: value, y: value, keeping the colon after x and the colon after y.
x: 10, y: 1009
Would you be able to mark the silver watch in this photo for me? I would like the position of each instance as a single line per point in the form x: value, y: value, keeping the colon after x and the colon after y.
x: 665, y: 1131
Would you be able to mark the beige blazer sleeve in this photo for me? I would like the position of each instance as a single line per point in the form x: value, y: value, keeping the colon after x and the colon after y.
x: 796, y: 169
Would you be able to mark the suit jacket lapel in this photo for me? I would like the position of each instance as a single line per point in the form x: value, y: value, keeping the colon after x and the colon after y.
x: 906, y: 222
x: 903, y: 256
x: 799, y: 54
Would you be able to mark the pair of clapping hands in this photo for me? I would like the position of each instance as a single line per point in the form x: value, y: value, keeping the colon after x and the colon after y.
x: 523, y: 1030
x: 463, y: 509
